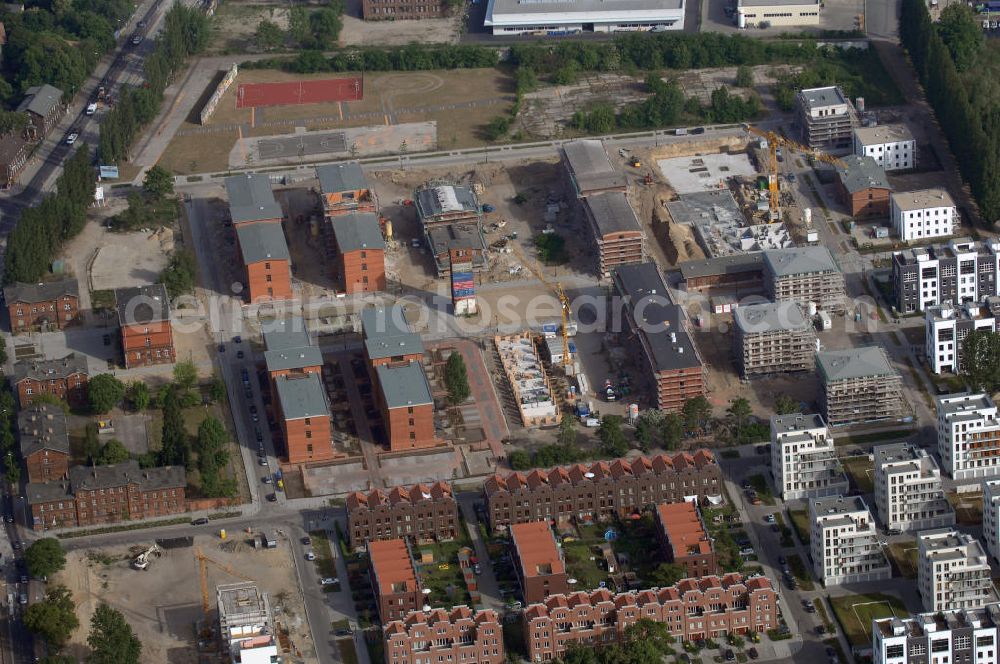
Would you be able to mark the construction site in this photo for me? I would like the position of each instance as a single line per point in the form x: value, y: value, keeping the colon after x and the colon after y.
x: 169, y: 593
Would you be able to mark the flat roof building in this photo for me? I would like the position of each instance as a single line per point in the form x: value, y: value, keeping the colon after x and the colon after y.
x: 442, y: 203
x: 952, y: 571
x: 407, y: 406
x: 945, y: 330
x: 736, y: 270
x: 528, y: 380
x: 991, y: 516
x: 359, y: 252
x: 892, y: 146
x: 805, y: 275
x: 960, y: 271
x: 773, y: 337
x: 777, y: 13
x: 616, y: 231
x: 908, y: 493
x: 969, y: 635
x: 844, y: 543
x: 803, y: 458
x: 589, y: 169
x: 827, y: 118
x: 304, y: 417
x: 343, y: 188
x: 560, y: 17
x: 859, y: 385
x: 968, y: 435
x: 924, y: 214
x: 267, y: 264
x: 538, y: 561
x: 684, y: 540
x: 246, y: 624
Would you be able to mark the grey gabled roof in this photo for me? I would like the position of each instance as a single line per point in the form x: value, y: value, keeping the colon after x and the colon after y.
x: 852, y: 363
x: 387, y: 333
x: 404, y: 386
x: 42, y: 426
x: 590, y: 166
x: 770, y: 316
x: 251, y: 198
x: 43, y: 292
x: 301, y: 396
x: 50, y: 369
x: 47, y: 492
x: 262, y: 242
x: 799, y: 260
x: 334, y: 178
x: 293, y: 358
x: 356, y: 231
x: 446, y: 199
x: 145, y: 304
x: 283, y: 333
x: 40, y: 100
x: 860, y: 173
x: 612, y: 213
x: 88, y: 478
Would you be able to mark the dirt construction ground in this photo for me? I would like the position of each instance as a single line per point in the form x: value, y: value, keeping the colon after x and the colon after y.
x: 163, y: 603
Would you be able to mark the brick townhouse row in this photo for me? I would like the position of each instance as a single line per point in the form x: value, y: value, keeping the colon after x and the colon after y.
x: 64, y: 378
x: 458, y: 636
x: 709, y: 607
x: 603, y: 489
x: 422, y: 511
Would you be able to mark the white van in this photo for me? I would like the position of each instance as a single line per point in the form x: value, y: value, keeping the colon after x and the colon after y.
x: 91, y: 108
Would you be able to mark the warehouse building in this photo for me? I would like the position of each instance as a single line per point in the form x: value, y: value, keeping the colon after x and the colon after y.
x: 859, y: 385
x: 739, y: 270
x: 777, y: 13
x: 773, y: 337
x: 803, y: 458
x: 908, y: 493
x: 561, y: 17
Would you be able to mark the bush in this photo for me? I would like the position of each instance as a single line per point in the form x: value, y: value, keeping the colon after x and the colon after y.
x: 551, y: 248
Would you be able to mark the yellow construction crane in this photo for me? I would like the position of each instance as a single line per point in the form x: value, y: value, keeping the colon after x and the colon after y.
x: 774, y: 141
x: 203, y: 562
x: 560, y: 294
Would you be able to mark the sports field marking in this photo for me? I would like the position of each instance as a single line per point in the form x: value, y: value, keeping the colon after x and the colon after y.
x: 290, y: 93
x: 865, y: 628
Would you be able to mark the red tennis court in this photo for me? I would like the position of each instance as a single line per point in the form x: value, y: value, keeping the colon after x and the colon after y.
x: 320, y: 91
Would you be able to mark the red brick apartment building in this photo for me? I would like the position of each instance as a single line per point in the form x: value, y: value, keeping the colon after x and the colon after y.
x: 422, y: 511
x: 46, y: 306
x: 407, y: 406
x: 251, y: 200
x: 14, y: 153
x: 684, y: 540
x: 394, y: 579
x: 65, y: 379
x: 616, y: 231
x: 601, y: 490
x: 457, y: 636
x: 388, y: 338
x: 359, y: 266
x: 864, y: 189
x: 267, y: 265
x: 538, y: 561
x: 671, y: 358
x: 343, y: 188
x: 289, y: 351
x: 42, y: 104
x: 146, y: 333
x: 304, y: 416
x: 44, y: 442
x: 107, y: 494
x: 692, y: 609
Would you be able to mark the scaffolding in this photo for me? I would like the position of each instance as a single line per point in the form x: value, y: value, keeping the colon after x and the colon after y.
x: 529, y: 383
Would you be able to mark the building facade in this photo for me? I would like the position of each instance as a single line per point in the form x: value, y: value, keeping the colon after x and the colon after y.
x: 616, y: 231
x: 859, y: 385
x: 359, y: 266
x: 958, y: 272
x: 844, y: 543
x: 407, y: 406
x: 945, y: 329
x: 908, y: 493
x: 44, y: 442
x: 711, y: 607
x: 397, y: 587
x: 952, y: 571
x: 303, y: 413
x: 267, y: 264
x: 863, y: 187
x: 459, y: 635
x: 538, y: 561
x: 804, y: 275
x: 42, y: 307
x: 588, y: 169
x: 107, y: 494
x: 343, y: 188
x: 509, y: 17
x: 968, y: 436
x: 388, y: 338
x: 684, y: 540
x: 394, y: 10
x: 43, y: 106
x: 991, y: 516
x: 147, y: 335
x: 603, y: 489
x: 671, y: 358
x: 960, y: 637
x: 892, y: 146
x: 920, y: 215
x: 64, y: 379
x: 777, y: 13
x: 827, y: 118
x: 14, y: 153
x: 803, y: 458
x: 422, y: 511
x: 773, y: 337
x: 251, y: 200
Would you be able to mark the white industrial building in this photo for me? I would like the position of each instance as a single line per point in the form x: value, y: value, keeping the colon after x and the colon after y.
x: 923, y: 214
x: 946, y: 327
x: 777, y: 13
x: 969, y: 636
x: 844, y: 543
x: 991, y: 516
x: 560, y: 17
x: 246, y: 625
x: 968, y: 436
x: 803, y: 458
x: 892, y: 146
x: 908, y: 493
x: 952, y: 571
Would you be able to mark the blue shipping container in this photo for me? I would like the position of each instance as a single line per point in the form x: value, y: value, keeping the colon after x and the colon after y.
x: 464, y: 293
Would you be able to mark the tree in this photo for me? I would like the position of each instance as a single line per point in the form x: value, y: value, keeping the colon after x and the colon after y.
x: 111, y: 639
x: 185, y: 375
x: 158, y: 182
x: 980, y: 360
x: 456, y: 378
x: 217, y: 389
x: 175, y: 448
x: 268, y: 36
x: 667, y: 574
x: 138, y: 395
x: 567, y: 430
x: 648, y: 428
x: 104, y: 391
x: 613, y: 441
x: 44, y: 557
x: 54, y: 618
x: 785, y: 405
x: 519, y: 460
x: 179, y: 275
x: 113, y: 452
x: 551, y: 248
x: 696, y: 412
x: 739, y: 412
x: 961, y: 33
x: 672, y: 431
x: 744, y: 77
x: 325, y: 24
x: 91, y: 442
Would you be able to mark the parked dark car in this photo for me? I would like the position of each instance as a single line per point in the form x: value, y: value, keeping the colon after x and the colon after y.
x: 200, y: 521
x: 729, y: 655
x: 752, y: 653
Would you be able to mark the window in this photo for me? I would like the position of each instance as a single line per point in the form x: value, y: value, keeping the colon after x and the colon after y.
x: 895, y: 650
x: 267, y: 266
x: 939, y: 645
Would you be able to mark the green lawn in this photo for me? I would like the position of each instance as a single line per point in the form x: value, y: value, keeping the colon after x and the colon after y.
x: 579, y: 566
x: 856, y: 612
x: 444, y: 576
x: 903, y: 556
x: 800, y: 520
x: 763, y: 489
x: 348, y: 655
x: 861, y: 472
x: 800, y: 572
x: 324, y: 554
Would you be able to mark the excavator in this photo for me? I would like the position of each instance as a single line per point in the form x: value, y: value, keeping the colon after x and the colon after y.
x: 775, y: 142
x: 141, y: 562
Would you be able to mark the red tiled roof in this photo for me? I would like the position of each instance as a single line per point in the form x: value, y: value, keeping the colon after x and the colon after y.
x: 393, y: 568
x: 536, y: 549
x: 399, y: 494
x: 684, y: 528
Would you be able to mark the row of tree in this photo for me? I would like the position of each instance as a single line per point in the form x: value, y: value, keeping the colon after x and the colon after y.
x: 12, y: 469
x: 957, y: 73
x: 185, y: 33
x: 42, y: 230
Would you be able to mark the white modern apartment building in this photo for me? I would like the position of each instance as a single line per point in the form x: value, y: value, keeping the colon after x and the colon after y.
x: 246, y: 624
x: 957, y: 637
x: 908, y: 493
x: 952, y: 571
x: 892, y: 146
x: 919, y: 215
x: 844, y: 543
x: 991, y: 516
x: 946, y: 327
x: 968, y: 436
x: 959, y: 271
x: 803, y: 459
x: 777, y: 13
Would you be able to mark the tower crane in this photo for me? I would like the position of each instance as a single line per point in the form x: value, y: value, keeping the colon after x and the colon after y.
x: 203, y: 562
x: 560, y: 294
x: 774, y: 141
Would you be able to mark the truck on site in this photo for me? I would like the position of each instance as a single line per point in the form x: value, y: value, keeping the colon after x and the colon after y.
x: 824, y: 321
